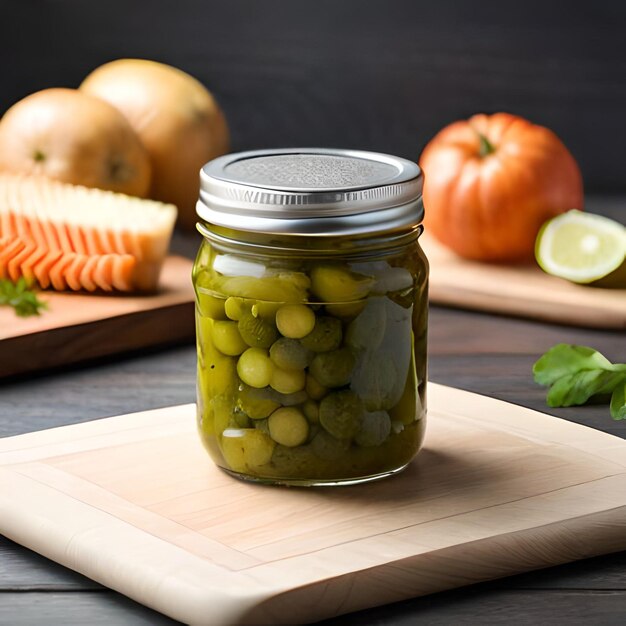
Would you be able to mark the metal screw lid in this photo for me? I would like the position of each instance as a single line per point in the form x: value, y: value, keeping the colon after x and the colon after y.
x: 311, y: 191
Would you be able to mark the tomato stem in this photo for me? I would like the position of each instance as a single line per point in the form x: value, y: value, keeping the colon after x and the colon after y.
x: 486, y: 147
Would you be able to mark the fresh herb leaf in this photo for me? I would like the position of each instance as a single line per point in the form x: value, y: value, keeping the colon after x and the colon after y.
x: 618, y: 402
x: 564, y: 359
x: 577, y: 374
x: 21, y: 297
x: 576, y: 389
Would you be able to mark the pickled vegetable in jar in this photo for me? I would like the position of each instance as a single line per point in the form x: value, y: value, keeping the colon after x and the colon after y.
x: 311, y: 315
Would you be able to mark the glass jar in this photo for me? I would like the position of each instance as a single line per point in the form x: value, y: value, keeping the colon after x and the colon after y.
x: 311, y: 316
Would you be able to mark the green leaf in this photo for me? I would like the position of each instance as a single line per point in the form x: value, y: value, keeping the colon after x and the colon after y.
x: 565, y: 359
x: 578, y: 374
x: 21, y: 297
x: 578, y: 388
x: 618, y: 402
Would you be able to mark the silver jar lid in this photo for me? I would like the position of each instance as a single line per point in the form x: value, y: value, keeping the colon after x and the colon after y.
x: 311, y: 191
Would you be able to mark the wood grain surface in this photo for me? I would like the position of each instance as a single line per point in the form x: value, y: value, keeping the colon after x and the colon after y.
x: 76, y: 327
x: 485, y: 353
x: 134, y: 503
x: 522, y: 290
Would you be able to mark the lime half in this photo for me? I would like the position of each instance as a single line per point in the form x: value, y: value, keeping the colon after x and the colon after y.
x: 581, y: 247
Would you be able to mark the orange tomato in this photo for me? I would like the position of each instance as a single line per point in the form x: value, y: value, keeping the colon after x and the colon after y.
x: 490, y: 182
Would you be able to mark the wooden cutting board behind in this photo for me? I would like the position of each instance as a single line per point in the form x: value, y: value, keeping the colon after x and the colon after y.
x: 519, y: 290
x: 77, y: 326
x: 135, y: 503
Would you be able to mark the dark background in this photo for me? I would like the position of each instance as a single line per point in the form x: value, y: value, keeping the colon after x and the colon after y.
x: 378, y: 75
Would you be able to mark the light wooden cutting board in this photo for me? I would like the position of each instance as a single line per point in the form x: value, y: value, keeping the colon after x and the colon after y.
x: 524, y: 291
x: 135, y: 503
x: 76, y: 326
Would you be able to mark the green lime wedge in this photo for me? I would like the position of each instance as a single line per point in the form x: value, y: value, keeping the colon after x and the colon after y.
x: 581, y: 247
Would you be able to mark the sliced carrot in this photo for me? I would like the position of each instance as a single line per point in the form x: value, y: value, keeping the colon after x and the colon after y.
x: 131, y: 244
x: 123, y: 266
x: 57, y: 271
x: 7, y: 224
x: 41, y: 248
x: 103, y: 237
x: 27, y: 266
x: 43, y: 267
x: 51, y: 234
x: 63, y: 236
x: 115, y: 243
x: 103, y: 272
x: 73, y: 270
x: 8, y: 252
x: 22, y: 227
x: 14, y: 266
x: 86, y: 274
x: 92, y: 241
x: 77, y: 238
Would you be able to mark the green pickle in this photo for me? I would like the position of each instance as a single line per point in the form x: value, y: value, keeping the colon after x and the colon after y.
x: 311, y: 410
x: 314, y: 389
x: 338, y: 284
x: 295, y: 320
x: 374, y: 430
x: 287, y: 381
x: 341, y: 414
x: 313, y: 372
x: 255, y: 331
x: 325, y: 336
x: 257, y: 404
x: 333, y: 369
x: 255, y: 368
x: 290, y: 354
x: 288, y: 427
x: 212, y: 307
x: 227, y: 338
x: 234, y: 308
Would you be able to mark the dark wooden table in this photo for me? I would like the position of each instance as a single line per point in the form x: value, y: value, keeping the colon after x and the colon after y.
x: 483, y: 353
